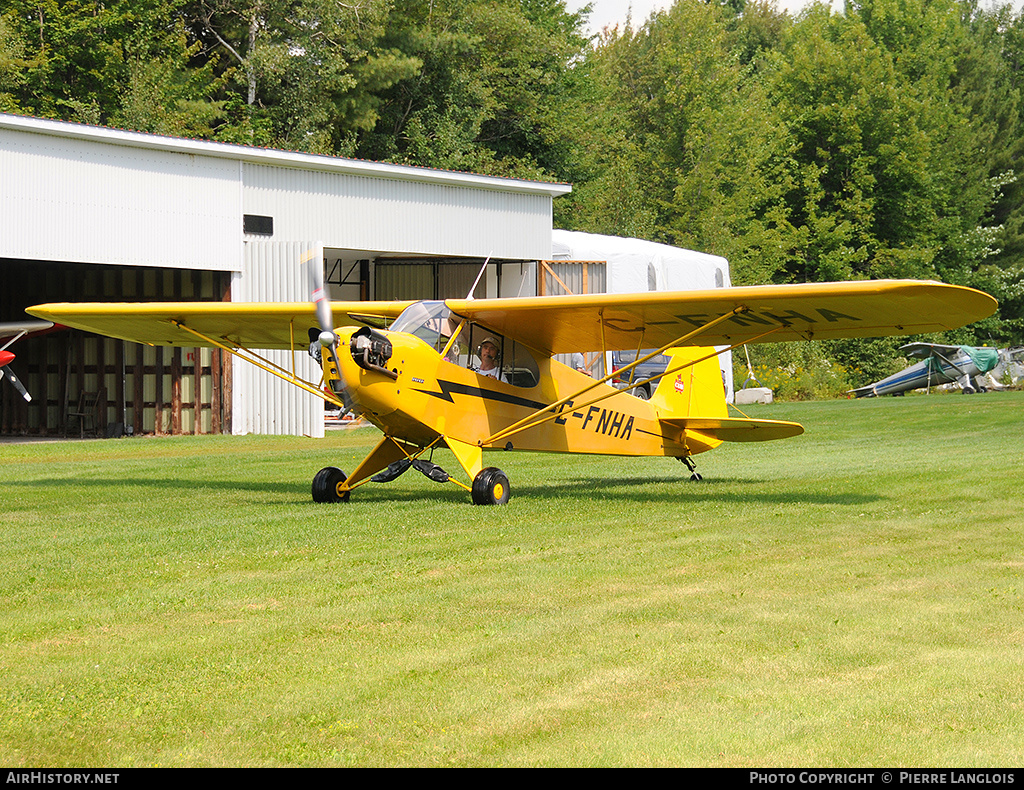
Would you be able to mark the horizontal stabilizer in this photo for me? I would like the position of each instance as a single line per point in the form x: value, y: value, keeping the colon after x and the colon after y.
x: 728, y: 429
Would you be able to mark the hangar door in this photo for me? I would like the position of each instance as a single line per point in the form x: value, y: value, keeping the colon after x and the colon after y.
x: 434, y: 279
x: 85, y: 384
x: 575, y: 277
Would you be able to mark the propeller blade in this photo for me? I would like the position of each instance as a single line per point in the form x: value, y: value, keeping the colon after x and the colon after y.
x: 9, y: 375
x: 313, y: 261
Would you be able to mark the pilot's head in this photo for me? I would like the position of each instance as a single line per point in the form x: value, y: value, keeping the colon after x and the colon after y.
x: 488, y: 352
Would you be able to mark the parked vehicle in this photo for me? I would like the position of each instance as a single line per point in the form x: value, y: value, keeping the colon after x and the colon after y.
x: 652, y: 367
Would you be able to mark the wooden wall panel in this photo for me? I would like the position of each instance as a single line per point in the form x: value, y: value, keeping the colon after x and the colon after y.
x: 142, y: 386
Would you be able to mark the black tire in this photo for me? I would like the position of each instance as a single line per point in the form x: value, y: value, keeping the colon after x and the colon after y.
x: 641, y: 393
x: 325, y: 485
x: 490, y: 487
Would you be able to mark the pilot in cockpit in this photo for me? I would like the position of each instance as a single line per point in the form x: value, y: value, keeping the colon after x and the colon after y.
x: 490, y: 356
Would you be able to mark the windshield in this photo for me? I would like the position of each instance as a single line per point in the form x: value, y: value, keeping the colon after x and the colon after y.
x: 431, y: 322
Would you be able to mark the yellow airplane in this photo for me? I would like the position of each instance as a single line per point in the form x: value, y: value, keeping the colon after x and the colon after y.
x: 478, y: 374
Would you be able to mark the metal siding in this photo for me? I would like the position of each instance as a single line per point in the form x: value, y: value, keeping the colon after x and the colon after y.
x: 263, y: 403
x: 366, y: 213
x: 93, y: 202
x: 455, y: 279
x: 404, y: 281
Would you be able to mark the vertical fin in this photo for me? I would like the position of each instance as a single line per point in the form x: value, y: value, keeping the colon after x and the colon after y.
x: 695, y: 391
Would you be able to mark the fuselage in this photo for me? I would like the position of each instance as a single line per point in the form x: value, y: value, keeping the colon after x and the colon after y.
x: 927, y: 373
x: 423, y: 395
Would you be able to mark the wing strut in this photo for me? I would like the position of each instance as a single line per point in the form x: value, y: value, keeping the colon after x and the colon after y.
x: 671, y: 371
x: 15, y: 339
x: 536, y: 417
x: 262, y: 363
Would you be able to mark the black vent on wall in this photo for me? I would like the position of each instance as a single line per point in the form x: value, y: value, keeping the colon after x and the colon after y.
x: 261, y: 226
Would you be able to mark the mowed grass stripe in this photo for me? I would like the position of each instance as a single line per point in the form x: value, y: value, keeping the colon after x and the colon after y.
x: 848, y: 597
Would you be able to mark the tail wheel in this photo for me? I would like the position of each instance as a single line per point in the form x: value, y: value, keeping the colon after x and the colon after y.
x: 327, y: 485
x: 490, y: 487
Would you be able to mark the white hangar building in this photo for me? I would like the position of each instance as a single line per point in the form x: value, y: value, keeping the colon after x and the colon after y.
x: 97, y: 214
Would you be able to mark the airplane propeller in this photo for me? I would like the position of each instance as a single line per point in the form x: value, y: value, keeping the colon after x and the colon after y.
x: 5, y: 358
x: 16, y: 331
x: 313, y: 260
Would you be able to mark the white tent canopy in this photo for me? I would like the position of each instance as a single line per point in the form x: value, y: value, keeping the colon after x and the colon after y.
x: 636, y: 265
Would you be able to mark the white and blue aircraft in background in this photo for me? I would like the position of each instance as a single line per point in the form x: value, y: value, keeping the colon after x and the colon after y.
x: 964, y: 365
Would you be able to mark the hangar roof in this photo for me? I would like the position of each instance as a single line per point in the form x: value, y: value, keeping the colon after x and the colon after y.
x: 280, y: 158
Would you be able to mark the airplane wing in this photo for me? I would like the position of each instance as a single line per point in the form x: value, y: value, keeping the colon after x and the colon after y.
x: 925, y: 350
x: 15, y: 328
x: 562, y: 324
x: 808, y: 311
x: 247, y: 324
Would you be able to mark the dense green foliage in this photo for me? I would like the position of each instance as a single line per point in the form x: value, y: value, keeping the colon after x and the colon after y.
x: 883, y: 141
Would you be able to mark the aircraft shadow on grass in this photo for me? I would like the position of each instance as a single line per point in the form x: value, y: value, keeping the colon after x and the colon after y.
x: 681, y: 490
x: 628, y: 489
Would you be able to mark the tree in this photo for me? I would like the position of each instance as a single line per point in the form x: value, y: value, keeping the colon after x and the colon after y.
x: 495, y: 92
x: 310, y: 69
x: 121, y: 63
x: 685, y: 145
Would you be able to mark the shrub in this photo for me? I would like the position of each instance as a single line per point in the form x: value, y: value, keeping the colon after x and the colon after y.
x: 794, y: 371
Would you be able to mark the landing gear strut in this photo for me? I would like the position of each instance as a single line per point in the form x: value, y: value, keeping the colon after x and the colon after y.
x: 696, y: 476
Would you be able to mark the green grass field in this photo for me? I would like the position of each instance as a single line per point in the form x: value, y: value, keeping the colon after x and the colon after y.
x: 849, y: 597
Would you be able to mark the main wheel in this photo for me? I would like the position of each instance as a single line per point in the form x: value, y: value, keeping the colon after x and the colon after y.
x: 327, y: 485
x: 490, y: 487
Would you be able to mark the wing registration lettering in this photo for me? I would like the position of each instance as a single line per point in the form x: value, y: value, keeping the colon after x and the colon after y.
x: 766, y: 318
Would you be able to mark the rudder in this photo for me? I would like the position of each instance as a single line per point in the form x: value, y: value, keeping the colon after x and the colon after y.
x: 696, y: 390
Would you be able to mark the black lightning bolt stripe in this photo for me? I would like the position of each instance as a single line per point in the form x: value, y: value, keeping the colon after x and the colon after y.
x: 448, y: 387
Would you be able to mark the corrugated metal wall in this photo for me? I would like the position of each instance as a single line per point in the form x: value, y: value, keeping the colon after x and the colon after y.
x: 91, y: 202
x: 390, y: 215
x: 434, y: 280
x: 262, y: 402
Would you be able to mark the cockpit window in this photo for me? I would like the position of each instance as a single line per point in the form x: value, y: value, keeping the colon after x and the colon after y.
x: 506, y: 360
x: 431, y: 322
x: 495, y: 356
